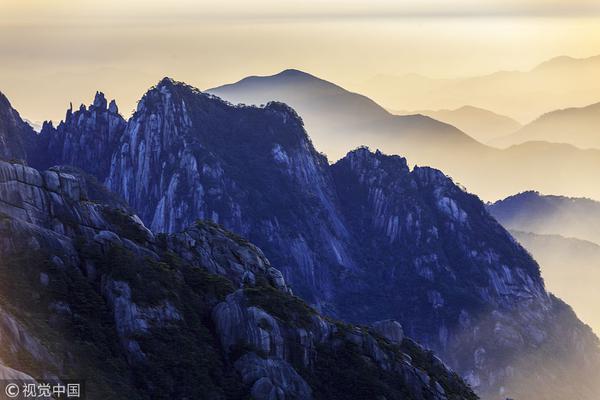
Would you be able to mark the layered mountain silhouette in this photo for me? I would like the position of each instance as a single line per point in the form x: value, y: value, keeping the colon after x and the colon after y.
x: 563, y: 234
x: 576, y: 126
x: 558, y: 83
x: 550, y: 215
x: 365, y: 239
x: 571, y: 270
x: 338, y: 120
x: 482, y: 125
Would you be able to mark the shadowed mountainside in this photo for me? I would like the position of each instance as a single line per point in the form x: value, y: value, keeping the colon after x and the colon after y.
x: 15, y: 135
x: 89, y: 293
x: 338, y: 121
x: 365, y: 239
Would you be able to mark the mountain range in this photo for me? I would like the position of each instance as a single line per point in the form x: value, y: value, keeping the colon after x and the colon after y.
x: 483, y: 125
x: 571, y: 270
x: 576, y: 126
x: 555, y: 84
x: 89, y: 293
x: 364, y: 240
x: 550, y: 215
x: 562, y: 234
x: 339, y: 120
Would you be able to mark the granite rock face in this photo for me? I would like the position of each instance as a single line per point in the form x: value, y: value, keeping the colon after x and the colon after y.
x: 85, y: 139
x: 90, y: 293
x: 16, y: 136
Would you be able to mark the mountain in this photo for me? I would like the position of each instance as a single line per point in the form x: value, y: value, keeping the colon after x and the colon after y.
x: 363, y: 240
x: 571, y: 269
x: 550, y: 215
x: 339, y: 121
x: 576, y: 126
x: 482, y: 125
x: 563, y: 234
x: 85, y: 139
x: 15, y: 135
x: 524, y: 95
x: 88, y: 293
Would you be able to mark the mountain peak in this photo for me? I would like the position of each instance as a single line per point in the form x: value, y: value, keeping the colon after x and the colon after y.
x: 112, y: 107
x: 15, y: 134
x: 296, y: 73
x: 166, y: 82
x: 362, y: 158
x: 4, y: 100
x: 566, y: 61
x: 100, y: 101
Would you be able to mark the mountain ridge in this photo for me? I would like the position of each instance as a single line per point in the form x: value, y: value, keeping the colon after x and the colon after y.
x: 554, y: 84
x: 574, y: 125
x: 453, y: 277
x: 348, y: 113
x: 337, y: 125
x: 481, y: 124
x: 534, y: 212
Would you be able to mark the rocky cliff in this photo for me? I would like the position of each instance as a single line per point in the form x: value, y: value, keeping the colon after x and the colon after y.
x: 16, y: 136
x: 87, y: 292
x: 85, y: 139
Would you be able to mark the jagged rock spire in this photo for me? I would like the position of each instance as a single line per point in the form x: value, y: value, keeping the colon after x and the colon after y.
x: 69, y: 112
x: 112, y: 107
x: 100, y: 100
x: 47, y: 125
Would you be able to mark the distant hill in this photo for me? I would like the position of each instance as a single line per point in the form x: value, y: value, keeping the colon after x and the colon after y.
x: 577, y: 126
x: 524, y: 95
x: 550, y: 215
x: 338, y: 120
x: 571, y: 270
x: 482, y: 125
x: 563, y: 235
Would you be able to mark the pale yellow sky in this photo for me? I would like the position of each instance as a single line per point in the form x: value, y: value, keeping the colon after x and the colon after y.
x: 56, y: 51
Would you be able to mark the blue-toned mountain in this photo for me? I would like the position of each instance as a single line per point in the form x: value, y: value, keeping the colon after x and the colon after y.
x: 364, y: 239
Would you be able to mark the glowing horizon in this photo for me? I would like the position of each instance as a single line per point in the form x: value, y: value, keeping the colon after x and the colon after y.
x: 60, y: 52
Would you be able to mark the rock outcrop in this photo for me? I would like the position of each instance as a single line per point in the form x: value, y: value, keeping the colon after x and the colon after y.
x: 87, y: 292
x: 16, y: 136
x: 86, y: 138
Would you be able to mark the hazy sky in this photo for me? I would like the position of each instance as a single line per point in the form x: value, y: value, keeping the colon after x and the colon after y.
x: 56, y: 51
